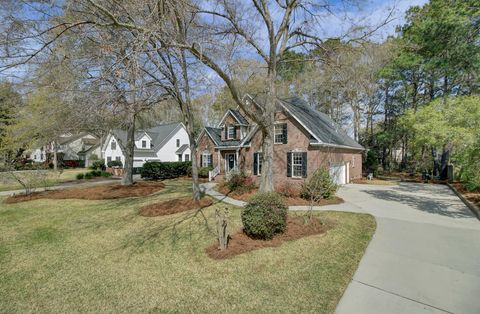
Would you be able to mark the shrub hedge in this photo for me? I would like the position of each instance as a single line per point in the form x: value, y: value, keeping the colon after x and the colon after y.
x: 264, y: 216
x: 165, y: 170
x: 114, y: 163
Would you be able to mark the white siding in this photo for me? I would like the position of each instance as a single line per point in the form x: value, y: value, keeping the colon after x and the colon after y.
x: 167, y: 152
x: 38, y: 155
x: 113, y: 153
x: 143, y: 138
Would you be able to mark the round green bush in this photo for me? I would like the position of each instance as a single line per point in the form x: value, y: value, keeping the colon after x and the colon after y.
x: 88, y: 175
x: 264, y: 216
x: 80, y: 176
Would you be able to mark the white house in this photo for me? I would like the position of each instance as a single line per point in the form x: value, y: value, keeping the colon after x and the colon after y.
x: 164, y: 142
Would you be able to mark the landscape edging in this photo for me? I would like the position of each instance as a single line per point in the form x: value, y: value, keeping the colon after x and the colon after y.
x: 470, y: 205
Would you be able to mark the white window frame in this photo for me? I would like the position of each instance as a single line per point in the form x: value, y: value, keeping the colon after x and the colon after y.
x: 230, y: 136
x: 298, y: 155
x: 178, y: 142
x: 275, y: 127
x: 118, y: 158
x: 187, y: 157
x: 205, y: 161
x: 113, y: 145
x: 179, y: 157
x: 144, y: 142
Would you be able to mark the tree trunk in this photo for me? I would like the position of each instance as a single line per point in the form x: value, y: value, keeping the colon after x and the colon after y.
x: 444, y: 162
x: 193, y: 154
x: 266, y: 180
x: 127, y: 178
x: 55, y: 157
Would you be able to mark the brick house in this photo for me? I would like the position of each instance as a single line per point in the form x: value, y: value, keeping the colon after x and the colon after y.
x: 305, y: 140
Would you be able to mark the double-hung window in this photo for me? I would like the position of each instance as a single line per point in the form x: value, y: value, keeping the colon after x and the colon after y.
x: 144, y: 144
x: 207, y: 160
x: 113, y: 145
x: 297, y: 165
x: 280, y: 133
x: 178, y: 142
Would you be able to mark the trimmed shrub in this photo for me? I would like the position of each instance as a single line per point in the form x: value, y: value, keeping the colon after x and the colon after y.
x: 202, y: 171
x: 96, y: 173
x: 239, y: 181
x: 319, y: 186
x: 80, y: 176
x: 114, y: 163
x: 105, y: 174
x: 264, y: 216
x: 165, y: 170
x: 98, y: 165
x: 88, y: 176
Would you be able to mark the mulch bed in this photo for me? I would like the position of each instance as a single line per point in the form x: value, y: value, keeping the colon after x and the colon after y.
x: 173, y: 206
x: 101, y: 192
x: 240, y: 243
x: 289, y: 201
x: 472, y: 196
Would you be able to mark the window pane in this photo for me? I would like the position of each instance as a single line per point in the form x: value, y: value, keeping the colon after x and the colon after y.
x: 278, y: 131
x: 231, y: 132
x: 297, y: 164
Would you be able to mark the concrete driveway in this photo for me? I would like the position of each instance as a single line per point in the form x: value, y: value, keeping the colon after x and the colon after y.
x: 424, y: 256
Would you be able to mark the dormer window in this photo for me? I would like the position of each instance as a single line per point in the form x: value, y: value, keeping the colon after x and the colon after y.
x: 144, y: 144
x: 231, y: 133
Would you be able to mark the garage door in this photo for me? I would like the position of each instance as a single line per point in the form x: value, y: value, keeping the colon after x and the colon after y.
x: 338, y: 173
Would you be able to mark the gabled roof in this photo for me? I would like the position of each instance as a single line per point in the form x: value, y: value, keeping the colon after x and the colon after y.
x: 89, y: 149
x: 216, y: 136
x: 235, y: 113
x: 62, y: 140
x: 182, y: 149
x: 159, y: 135
x: 323, y: 129
x: 238, y: 116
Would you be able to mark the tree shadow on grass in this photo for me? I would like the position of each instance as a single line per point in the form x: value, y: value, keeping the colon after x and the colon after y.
x: 428, y: 202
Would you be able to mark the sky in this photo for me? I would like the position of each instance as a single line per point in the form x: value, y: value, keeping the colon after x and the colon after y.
x: 367, y: 12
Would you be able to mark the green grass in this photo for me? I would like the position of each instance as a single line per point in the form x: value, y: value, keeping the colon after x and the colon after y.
x: 100, y: 256
x: 8, y: 183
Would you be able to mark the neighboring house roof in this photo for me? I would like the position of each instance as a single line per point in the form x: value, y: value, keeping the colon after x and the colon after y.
x: 159, y: 135
x: 90, y: 141
x: 65, y: 140
x: 91, y: 148
x: 182, y: 149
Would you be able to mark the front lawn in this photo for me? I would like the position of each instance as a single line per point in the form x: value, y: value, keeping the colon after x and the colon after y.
x: 8, y: 183
x: 101, y: 256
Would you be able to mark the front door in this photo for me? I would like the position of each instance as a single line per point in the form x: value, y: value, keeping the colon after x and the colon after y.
x: 231, y: 162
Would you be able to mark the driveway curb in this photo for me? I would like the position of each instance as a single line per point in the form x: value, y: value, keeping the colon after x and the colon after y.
x: 475, y: 210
